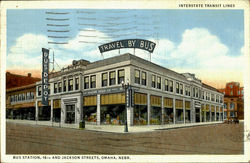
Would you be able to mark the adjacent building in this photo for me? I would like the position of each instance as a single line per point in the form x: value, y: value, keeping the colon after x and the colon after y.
x: 20, y: 96
x: 127, y: 88
x: 233, y: 100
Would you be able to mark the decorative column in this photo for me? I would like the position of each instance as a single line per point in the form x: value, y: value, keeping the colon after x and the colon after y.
x: 98, y: 111
x: 184, y: 109
x: 51, y: 110
x: 210, y: 113
x: 148, y: 108
x: 36, y: 113
x: 174, y: 110
x: 162, y: 110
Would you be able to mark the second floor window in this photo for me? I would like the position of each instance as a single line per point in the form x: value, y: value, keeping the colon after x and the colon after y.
x: 76, y: 83
x: 93, y: 81
x: 196, y: 92
x: 32, y: 95
x: 159, y: 82
x: 86, y: 82
x: 177, y: 88
x: 55, y: 87
x: 153, y: 81
x: 137, y: 76
x: 121, y: 76
x: 59, y: 87
x: 143, y: 78
x: 166, y: 84
x: 187, y: 90
x: 181, y: 88
x: 202, y: 95
x: 104, y: 79
x: 70, y: 86
x: 64, y: 86
x: 171, y: 89
x: 212, y: 97
x: 112, y: 78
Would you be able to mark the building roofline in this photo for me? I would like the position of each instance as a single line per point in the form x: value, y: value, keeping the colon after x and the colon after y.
x: 20, y: 88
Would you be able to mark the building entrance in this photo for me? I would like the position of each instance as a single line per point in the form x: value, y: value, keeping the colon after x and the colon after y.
x: 197, y: 115
x: 70, y: 114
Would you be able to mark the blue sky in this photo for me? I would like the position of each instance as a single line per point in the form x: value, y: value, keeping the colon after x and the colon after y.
x: 196, y: 41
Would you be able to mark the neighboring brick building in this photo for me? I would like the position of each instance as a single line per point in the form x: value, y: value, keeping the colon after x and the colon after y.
x: 233, y: 100
x: 14, y: 80
x: 20, y: 96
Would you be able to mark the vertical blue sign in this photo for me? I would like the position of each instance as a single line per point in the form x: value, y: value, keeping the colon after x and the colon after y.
x: 45, y: 77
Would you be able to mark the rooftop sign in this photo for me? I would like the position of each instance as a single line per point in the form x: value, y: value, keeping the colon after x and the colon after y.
x: 45, y: 77
x: 129, y: 43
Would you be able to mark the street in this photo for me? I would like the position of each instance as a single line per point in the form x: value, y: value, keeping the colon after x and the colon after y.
x: 209, y: 139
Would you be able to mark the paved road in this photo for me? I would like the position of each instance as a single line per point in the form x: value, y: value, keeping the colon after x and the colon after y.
x: 210, y: 139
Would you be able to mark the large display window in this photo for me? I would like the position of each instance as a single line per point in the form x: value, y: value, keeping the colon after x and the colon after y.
x: 113, y: 114
x: 89, y: 114
x: 168, y: 116
x: 155, y: 118
x: 179, y: 116
x: 140, y: 115
x: 44, y: 113
x: 187, y: 116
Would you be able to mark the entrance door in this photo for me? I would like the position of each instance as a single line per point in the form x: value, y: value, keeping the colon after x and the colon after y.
x: 70, y: 114
x: 197, y: 115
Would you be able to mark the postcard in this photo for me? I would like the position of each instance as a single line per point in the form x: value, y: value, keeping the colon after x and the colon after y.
x: 125, y: 81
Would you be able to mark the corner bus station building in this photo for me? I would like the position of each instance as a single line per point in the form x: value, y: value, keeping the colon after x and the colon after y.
x: 95, y: 92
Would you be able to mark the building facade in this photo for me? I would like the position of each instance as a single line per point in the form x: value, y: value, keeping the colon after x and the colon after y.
x: 95, y: 92
x: 233, y: 100
x: 20, y: 96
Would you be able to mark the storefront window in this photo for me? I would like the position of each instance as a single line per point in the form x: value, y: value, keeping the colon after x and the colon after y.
x: 59, y: 87
x: 181, y: 88
x: 166, y: 84
x: 231, y: 106
x: 70, y: 85
x: 57, y: 115
x: 112, y: 78
x: 179, y: 116
x: 140, y: 115
x: 168, y: 116
x: 70, y: 114
x: 155, y: 118
x: 213, y: 116
x: 170, y: 86
x: 113, y: 114
x: 93, y: 81
x: 104, y: 79
x: 76, y: 83
x: 187, y: 116
x: 159, y: 82
x: 121, y: 76
x: 232, y: 114
x: 89, y: 114
x: 55, y: 87
x: 137, y: 76
x: 86, y: 82
x: 177, y: 87
x: 153, y: 81
x: 144, y: 78
x: 207, y: 116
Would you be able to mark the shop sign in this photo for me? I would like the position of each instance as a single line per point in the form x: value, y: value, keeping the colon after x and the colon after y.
x: 129, y: 43
x: 45, y: 76
x: 103, y: 91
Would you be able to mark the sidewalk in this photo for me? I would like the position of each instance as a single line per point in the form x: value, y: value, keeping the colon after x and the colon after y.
x: 114, y: 128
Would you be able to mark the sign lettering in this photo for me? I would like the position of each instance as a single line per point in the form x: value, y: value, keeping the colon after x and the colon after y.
x: 129, y: 43
x: 45, y: 77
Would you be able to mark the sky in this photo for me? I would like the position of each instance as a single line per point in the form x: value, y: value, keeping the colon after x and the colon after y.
x: 208, y: 43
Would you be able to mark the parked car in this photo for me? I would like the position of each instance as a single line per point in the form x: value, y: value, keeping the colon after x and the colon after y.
x: 232, y: 120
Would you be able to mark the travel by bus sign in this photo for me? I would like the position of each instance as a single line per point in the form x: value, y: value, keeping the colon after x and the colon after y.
x: 129, y: 43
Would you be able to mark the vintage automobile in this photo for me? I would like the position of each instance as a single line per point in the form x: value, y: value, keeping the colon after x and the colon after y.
x: 232, y: 120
